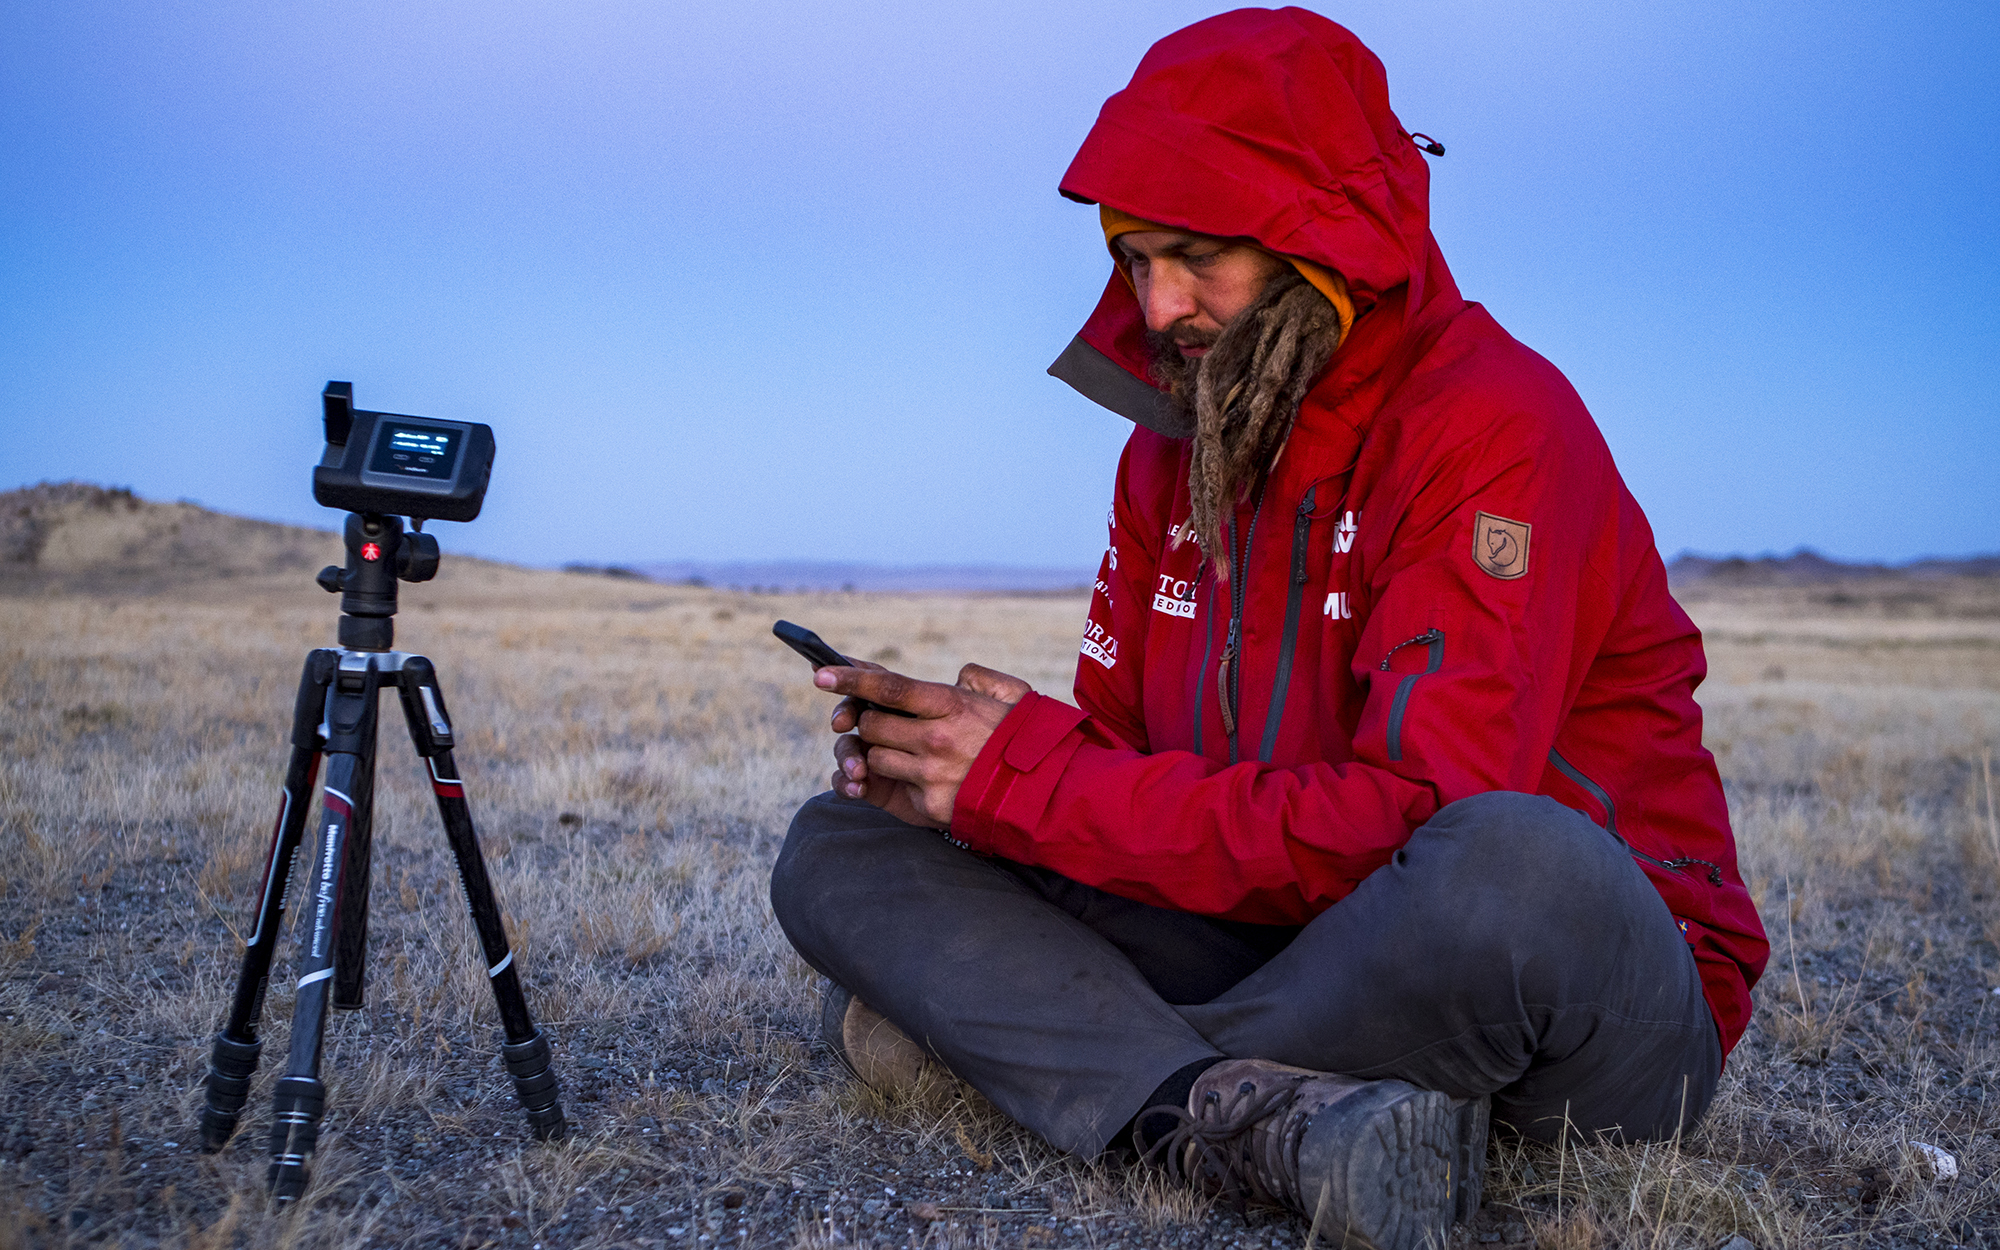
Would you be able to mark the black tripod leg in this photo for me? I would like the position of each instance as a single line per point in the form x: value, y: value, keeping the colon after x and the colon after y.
x: 350, y: 750
x: 526, y: 1051
x: 234, y: 1059
x: 350, y: 954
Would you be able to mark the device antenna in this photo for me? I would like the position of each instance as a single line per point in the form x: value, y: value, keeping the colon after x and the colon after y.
x: 338, y: 402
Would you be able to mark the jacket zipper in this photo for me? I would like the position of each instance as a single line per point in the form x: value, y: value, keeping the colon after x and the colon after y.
x: 1597, y: 792
x: 1432, y: 638
x: 1226, y: 683
x: 1294, y: 600
x: 1207, y: 650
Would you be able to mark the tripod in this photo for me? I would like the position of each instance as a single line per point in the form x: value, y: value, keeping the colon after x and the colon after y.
x: 335, y: 717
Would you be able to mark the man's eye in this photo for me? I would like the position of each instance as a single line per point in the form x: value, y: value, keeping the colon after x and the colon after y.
x: 1201, y: 260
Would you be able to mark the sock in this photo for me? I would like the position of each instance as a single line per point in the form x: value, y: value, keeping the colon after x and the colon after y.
x: 1173, y: 1092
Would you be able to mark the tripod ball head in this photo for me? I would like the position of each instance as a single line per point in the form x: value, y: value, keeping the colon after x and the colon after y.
x: 379, y: 553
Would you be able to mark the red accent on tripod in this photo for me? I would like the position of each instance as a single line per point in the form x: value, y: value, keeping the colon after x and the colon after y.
x: 446, y: 787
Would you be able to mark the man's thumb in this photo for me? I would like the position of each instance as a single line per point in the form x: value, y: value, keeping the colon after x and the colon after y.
x: 982, y: 680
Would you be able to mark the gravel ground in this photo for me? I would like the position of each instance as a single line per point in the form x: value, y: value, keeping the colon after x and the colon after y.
x: 764, y: 1142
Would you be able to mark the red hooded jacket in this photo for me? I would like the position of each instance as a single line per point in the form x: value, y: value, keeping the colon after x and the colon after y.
x: 1443, y: 588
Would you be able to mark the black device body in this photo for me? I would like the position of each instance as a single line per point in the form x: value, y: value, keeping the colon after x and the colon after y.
x: 819, y: 655
x: 334, y: 725
x: 385, y: 462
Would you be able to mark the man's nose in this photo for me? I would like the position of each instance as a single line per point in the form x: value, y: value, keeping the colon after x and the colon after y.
x: 1168, y: 296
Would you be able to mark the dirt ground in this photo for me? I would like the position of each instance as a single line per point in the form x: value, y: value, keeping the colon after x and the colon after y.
x: 633, y: 753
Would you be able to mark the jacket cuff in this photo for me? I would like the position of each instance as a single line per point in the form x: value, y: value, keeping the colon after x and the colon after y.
x: 1012, y: 780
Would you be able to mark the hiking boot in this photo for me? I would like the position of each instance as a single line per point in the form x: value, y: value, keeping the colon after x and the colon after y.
x: 1376, y: 1164
x: 877, y: 1053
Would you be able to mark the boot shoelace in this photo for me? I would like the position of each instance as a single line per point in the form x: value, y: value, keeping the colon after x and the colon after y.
x: 1217, y: 1148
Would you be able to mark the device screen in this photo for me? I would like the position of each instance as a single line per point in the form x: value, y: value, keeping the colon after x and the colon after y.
x: 410, y: 449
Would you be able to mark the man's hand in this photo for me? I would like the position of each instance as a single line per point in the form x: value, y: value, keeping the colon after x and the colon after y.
x: 911, y: 767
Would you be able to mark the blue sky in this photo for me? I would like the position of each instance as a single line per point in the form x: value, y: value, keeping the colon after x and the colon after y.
x: 781, y: 281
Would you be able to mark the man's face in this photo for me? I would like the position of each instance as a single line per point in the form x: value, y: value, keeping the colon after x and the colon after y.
x: 1192, y: 285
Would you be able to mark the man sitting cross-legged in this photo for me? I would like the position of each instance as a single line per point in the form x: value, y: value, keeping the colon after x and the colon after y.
x: 1384, y: 801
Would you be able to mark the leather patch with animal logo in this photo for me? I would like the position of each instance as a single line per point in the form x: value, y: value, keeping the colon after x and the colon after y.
x: 1500, y: 546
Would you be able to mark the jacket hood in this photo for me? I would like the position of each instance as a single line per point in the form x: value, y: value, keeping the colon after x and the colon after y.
x: 1275, y: 126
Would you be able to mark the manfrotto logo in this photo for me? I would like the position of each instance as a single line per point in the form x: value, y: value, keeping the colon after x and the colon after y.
x: 324, y: 893
x: 1343, y: 535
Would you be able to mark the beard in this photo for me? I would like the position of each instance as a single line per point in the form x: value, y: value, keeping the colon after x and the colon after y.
x: 1177, y: 376
x: 1172, y: 372
x: 1237, y: 401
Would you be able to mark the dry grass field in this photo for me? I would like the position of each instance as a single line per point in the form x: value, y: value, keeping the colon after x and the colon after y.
x: 633, y: 753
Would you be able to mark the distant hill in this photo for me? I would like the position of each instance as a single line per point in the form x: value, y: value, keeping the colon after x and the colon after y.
x: 77, y: 532
x: 794, y: 575
x: 69, y: 530
x: 1806, y: 567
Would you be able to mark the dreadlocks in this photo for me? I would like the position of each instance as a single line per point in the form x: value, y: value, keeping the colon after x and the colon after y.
x: 1245, y: 394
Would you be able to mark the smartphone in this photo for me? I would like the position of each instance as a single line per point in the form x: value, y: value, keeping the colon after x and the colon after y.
x: 819, y: 655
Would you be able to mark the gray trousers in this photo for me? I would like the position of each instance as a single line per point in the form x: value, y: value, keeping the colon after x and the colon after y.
x: 1511, y: 948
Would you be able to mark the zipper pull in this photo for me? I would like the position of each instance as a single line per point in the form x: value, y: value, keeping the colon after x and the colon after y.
x: 1689, y: 861
x: 1194, y: 583
x: 1424, y: 639
x: 1223, y: 685
x: 1223, y: 674
x: 1300, y: 528
x: 1225, y: 681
